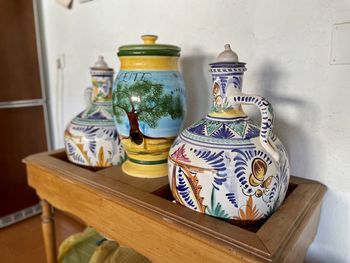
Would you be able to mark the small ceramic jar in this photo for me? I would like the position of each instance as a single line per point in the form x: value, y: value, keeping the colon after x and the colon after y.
x: 91, y: 138
x: 149, y: 105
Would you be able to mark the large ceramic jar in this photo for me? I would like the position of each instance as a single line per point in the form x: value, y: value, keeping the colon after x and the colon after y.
x: 91, y: 138
x: 225, y: 165
x: 149, y: 105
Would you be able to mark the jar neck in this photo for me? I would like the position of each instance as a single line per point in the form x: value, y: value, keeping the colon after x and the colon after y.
x: 101, y: 88
x: 148, y: 63
x: 227, y: 79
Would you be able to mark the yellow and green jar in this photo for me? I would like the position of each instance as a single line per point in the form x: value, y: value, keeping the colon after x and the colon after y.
x: 149, y: 105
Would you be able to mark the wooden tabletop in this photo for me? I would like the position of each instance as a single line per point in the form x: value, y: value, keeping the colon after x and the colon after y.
x: 139, y: 213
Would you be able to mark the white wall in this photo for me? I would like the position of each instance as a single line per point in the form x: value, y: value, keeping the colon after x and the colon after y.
x: 286, y: 45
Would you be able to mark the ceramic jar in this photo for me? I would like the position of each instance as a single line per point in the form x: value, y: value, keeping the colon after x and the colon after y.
x: 225, y: 165
x: 91, y: 138
x: 149, y: 105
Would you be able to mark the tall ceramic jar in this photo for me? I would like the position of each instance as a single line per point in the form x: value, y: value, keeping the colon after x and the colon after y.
x: 225, y: 165
x: 149, y: 105
x: 91, y: 138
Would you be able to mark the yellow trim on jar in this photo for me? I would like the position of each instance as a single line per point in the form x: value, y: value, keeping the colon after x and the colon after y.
x: 148, y: 63
x: 229, y: 113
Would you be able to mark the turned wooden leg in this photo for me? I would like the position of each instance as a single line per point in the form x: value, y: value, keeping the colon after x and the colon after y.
x: 48, y: 227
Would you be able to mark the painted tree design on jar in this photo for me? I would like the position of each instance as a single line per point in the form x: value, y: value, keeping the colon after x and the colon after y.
x: 144, y: 101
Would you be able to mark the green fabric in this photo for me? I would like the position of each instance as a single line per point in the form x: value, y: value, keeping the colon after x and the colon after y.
x: 84, y: 248
x: 80, y: 247
x: 111, y: 252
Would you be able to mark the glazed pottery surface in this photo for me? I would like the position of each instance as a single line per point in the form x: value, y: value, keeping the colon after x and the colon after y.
x: 149, y: 105
x: 225, y: 165
x: 91, y: 138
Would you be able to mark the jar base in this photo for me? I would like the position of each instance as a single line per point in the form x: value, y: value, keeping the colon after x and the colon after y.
x: 145, y: 171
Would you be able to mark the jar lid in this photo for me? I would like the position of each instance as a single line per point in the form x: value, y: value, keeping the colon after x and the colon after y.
x: 228, y: 57
x: 101, y: 67
x: 149, y: 48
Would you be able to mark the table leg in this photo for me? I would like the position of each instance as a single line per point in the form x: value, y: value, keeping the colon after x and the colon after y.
x: 48, y: 227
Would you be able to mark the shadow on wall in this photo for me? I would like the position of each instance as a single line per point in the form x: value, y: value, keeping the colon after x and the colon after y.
x: 327, y: 245
x: 195, y: 71
x: 293, y: 131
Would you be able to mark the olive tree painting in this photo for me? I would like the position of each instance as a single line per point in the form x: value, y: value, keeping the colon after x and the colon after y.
x: 146, y: 102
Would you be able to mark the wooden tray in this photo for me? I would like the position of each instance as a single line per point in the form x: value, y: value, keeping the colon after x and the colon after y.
x: 140, y: 213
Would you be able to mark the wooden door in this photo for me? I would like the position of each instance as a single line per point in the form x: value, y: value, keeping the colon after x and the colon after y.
x: 22, y: 105
x: 19, y: 68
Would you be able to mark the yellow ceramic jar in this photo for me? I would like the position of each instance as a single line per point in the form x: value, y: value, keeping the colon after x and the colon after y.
x: 149, y: 105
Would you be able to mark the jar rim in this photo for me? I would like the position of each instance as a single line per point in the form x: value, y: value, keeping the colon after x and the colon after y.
x: 149, y: 50
x: 233, y: 64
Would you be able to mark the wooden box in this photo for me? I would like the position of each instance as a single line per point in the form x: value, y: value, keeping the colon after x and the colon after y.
x: 139, y: 213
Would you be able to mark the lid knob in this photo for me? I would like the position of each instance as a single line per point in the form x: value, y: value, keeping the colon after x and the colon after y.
x: 149, y: 39
x: 100, y: 63
x: 101, y: 67
x: 228, y: 55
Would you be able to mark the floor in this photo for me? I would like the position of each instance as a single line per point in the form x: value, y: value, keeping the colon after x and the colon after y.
x: 23, y: 241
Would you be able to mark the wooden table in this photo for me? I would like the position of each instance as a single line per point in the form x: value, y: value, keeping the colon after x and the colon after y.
x: 139, y: 213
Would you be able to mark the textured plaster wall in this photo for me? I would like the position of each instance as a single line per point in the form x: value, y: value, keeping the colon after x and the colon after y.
x: 286, y: 45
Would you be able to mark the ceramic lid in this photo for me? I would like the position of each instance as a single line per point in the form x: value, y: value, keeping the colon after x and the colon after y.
x: 228, y: 57
x: 149, y: 48
x: 101, y: 66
